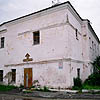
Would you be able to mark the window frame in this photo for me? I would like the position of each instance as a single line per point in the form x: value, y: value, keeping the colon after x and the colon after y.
x: 14, y: 75
x: 36, y: 38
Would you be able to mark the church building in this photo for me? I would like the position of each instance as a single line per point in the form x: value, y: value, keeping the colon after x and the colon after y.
x: 51, y: 46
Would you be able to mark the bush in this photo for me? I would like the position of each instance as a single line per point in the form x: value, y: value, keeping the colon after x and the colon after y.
x: 93, y: 80
x: 96, y: 65
x: 46, y: 89
x: 21, y: 86
x: 77, y: 83
x: 7, y: 87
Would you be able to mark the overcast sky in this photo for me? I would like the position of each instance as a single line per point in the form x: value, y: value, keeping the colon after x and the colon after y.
x: 87, y: 9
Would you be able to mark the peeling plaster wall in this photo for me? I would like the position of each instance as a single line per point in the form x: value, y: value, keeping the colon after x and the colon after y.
x: 73, y: 71
x: 74, y: 45
x: 48, y: 74
x: 75, y: 22
x: 3, y: 55
x: 51, y: 39
x: 85, y: 42
x: 53, y: 44
x: 90, y: 51
x: 57, y: 42
x: 93, y: 48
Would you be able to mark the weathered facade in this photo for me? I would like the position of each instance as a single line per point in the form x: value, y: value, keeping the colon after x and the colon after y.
x: 53, y: 46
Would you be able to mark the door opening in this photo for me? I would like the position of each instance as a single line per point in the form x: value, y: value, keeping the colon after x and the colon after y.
x: 27, y: 77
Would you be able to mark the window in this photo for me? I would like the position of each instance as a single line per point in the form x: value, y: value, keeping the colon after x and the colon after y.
x: 78, y: 72
x: 93, y: 45
x: 1, y: 75
x: 90, y: 42
x: 76, y: 34
x: 13, y: 75
x: 2, y: 42
x: 36, y: 37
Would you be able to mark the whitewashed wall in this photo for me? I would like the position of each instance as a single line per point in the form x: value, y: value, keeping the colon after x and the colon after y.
x: 57, y: 41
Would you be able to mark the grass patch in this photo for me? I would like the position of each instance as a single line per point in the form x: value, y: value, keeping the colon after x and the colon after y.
x: 89, y: 87
x: 27, y: 91
x: 76, y: 88
x: 7, y: 87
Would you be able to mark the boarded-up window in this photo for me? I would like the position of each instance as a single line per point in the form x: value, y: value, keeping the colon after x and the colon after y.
x: 1, y: 75
x: 36, y: 37
x: 13, y: 75
x: 2, y: 42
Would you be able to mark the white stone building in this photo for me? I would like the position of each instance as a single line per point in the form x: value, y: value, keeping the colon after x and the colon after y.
x: 53, y: 46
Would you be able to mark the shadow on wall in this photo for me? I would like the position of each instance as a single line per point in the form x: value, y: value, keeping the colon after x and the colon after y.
x: 8, y: 76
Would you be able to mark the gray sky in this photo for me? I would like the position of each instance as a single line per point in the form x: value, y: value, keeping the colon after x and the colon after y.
x: 87, y: 9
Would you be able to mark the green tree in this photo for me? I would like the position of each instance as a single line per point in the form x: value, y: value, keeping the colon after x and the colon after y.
x: 96, y: 65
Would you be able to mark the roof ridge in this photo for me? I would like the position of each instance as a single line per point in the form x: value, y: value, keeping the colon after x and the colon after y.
x: 35, y: 12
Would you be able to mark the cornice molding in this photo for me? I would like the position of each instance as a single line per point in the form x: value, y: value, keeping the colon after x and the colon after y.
x: 50, y: 26
x: 37, y: 14
x: 49, y: 61
x: 69, y: 7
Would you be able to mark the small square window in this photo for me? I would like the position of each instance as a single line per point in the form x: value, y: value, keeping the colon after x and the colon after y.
x: 36, y: 37
x: 2, y: 42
